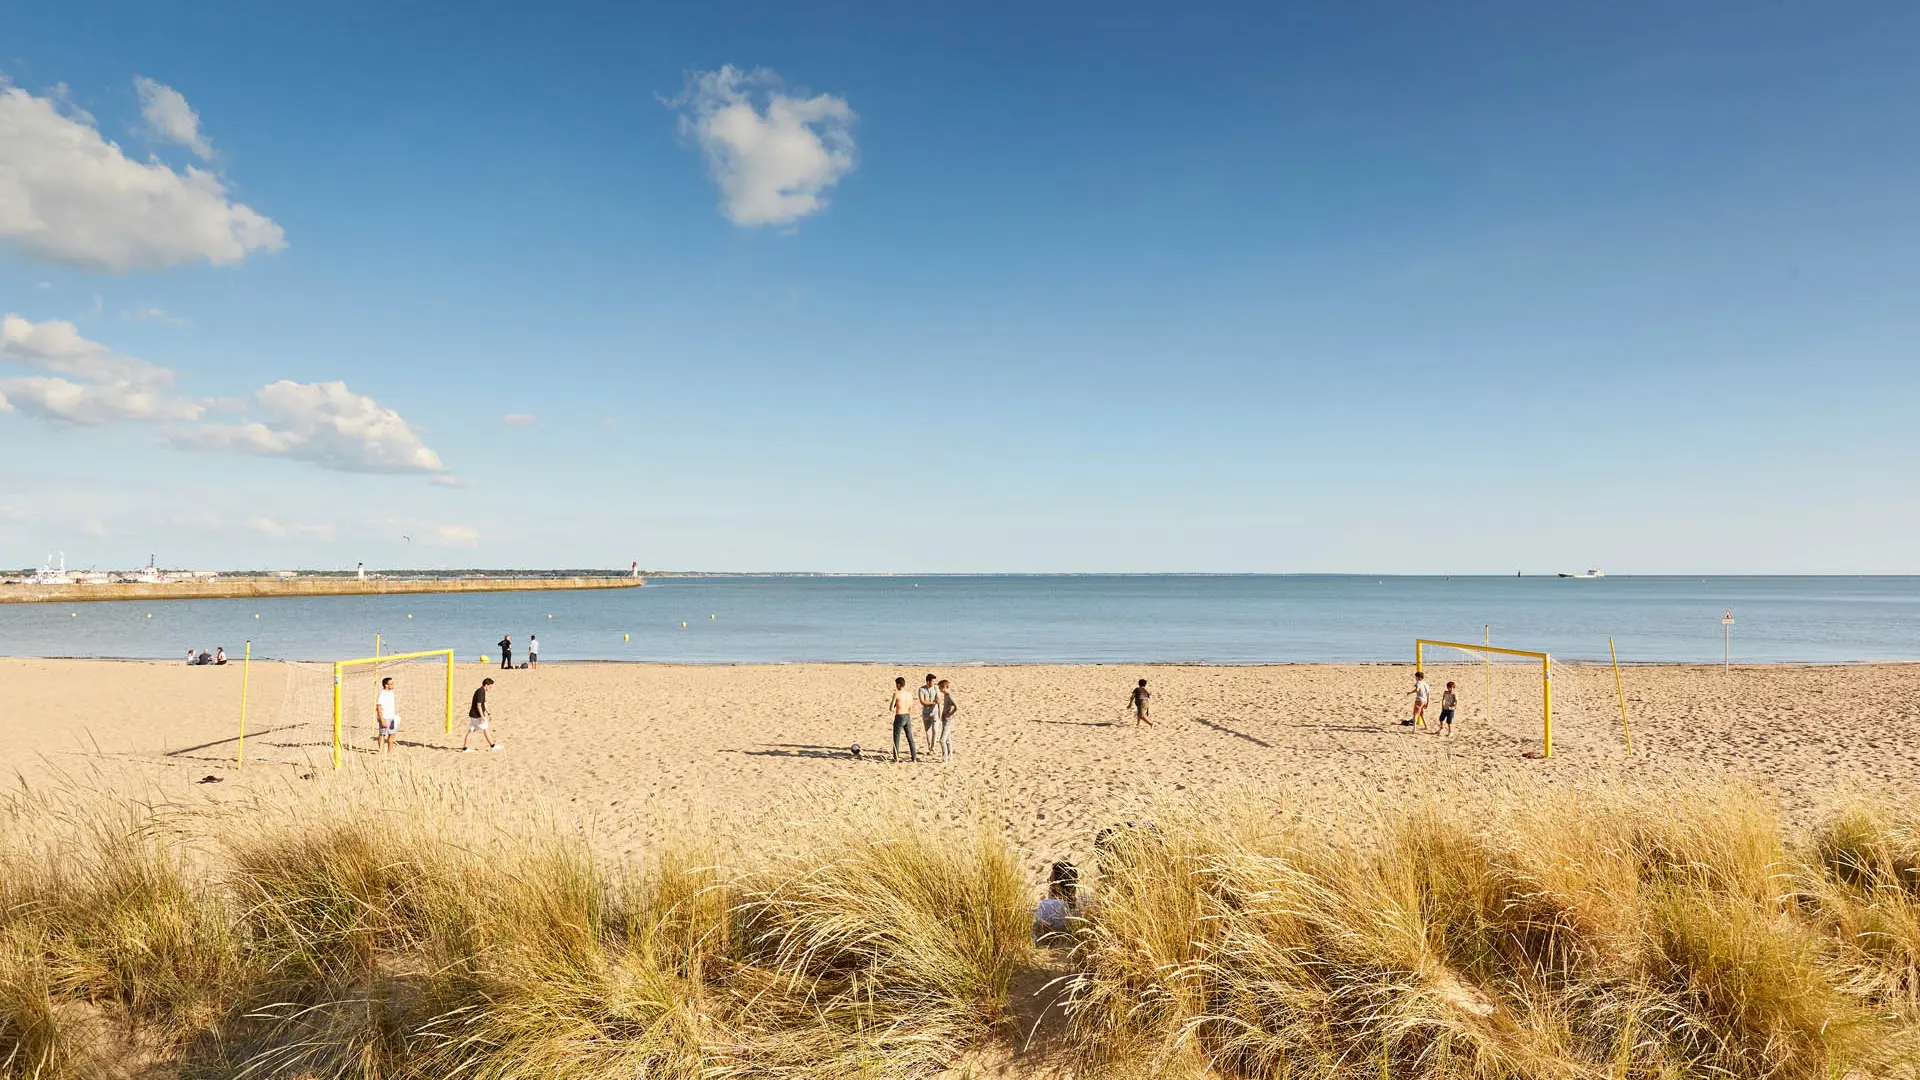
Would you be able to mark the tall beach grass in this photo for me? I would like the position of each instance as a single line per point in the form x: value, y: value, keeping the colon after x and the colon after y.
x: 400, y: 933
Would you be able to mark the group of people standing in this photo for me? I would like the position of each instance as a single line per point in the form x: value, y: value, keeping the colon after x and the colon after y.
x: 506, y: 651
x: 937, y: 710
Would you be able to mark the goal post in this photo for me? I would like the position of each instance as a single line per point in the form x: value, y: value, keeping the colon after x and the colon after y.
x: 1546, y: 676
x: 342, y: 667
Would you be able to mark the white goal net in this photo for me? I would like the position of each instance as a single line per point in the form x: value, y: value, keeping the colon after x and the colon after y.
x: 1506, y: 694
x: 296, y: 725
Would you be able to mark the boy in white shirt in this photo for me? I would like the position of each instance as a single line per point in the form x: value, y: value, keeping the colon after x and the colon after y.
x: 385, y: 716
x: 929, y: 708
x: 1421, y: 692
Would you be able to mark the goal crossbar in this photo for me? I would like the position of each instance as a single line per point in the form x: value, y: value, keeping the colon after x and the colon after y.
x: 1546, y: 677
x: 340, y: 668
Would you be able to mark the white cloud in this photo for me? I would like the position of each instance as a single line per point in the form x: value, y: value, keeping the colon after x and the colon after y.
x: 151, y: 313
x: 268, y: 527
x: 773, y: 165
x: 69, y: 196
x: 92, y: 404
x: 169, y: 117
x: 94, y: 528
x: 448, y: 480
x: 459, y: 536
x: 519, y: 419
x: 110, y: 387
x: 57, y: 346
x: 324, y: 423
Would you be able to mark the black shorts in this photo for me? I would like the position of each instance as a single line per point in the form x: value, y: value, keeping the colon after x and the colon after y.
x: 1446, y: 716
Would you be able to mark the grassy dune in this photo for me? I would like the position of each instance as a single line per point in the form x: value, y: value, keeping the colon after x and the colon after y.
x: 394, y: 936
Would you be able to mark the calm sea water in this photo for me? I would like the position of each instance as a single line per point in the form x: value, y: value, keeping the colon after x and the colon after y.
x: 1021, y: 619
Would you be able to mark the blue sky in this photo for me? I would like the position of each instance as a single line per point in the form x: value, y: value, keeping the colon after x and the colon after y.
x: 859, y: 288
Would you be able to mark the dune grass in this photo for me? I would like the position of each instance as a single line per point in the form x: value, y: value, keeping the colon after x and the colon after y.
x: 393, y: 935
x: 1585, y: 937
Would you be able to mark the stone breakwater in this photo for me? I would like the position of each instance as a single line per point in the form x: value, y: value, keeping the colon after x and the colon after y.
x: 238, y: 587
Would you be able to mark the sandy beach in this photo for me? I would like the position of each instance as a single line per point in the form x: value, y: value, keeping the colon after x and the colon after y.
x: 635, y: 752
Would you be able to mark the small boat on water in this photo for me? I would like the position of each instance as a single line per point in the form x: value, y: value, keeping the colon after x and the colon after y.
x: 1594, y: 572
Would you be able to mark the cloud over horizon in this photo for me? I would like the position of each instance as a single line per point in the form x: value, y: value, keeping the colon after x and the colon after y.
x: 454, y: 536
x: 267, y: 526
x: 774, y: 165
x: 323, y: 423
x: 71, y: 197
x: 110, y: 387
x: 89, y: 384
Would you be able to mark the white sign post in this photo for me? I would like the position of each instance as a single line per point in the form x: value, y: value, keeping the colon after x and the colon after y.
x: 1726, y: 644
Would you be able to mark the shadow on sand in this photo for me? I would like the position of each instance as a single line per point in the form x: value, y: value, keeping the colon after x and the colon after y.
x: 1225, y: 730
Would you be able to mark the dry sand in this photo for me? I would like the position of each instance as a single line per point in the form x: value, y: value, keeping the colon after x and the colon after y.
x: 634, y: 752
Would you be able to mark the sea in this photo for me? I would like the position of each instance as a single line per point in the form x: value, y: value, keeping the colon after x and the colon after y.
x: 1030, y: 619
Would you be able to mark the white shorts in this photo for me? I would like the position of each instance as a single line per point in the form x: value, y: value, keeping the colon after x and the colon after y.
x: 476, y: 723
x: 389, y: 725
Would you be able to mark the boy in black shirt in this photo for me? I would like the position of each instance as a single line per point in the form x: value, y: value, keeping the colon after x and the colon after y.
x: 479, y: 719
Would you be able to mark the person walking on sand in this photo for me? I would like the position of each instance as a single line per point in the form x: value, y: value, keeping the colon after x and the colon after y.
x: 385, y: 716
x: 1421, y: 692
x: 480, y: 719
x: 948, y: 708
x: 929, y: 709
x: 506, y: 651
x: 902, y: 705
x: 1447, y: 702
x: 533, y: 651
x: 1142, y: 702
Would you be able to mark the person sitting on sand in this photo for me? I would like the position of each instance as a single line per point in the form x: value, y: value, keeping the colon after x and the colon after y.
x: 902, y: 705
x: 385, y: 716
x: 1420, y: 694
x: 189, y: 656
x: 948, y: 708
x: 204, y: 658
x: 1141, y: 700
x: 1447, y: 701
x: 929, y: 709
x: 1052, y: 920
x: 220, y: 655
x: 479, y: 719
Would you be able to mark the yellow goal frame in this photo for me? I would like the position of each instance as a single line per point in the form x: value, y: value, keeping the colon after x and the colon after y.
x: 1546, y: 677
x: 340, y: 668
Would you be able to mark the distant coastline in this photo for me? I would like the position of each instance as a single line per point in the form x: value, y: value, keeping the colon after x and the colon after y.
x: 265, y: 586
